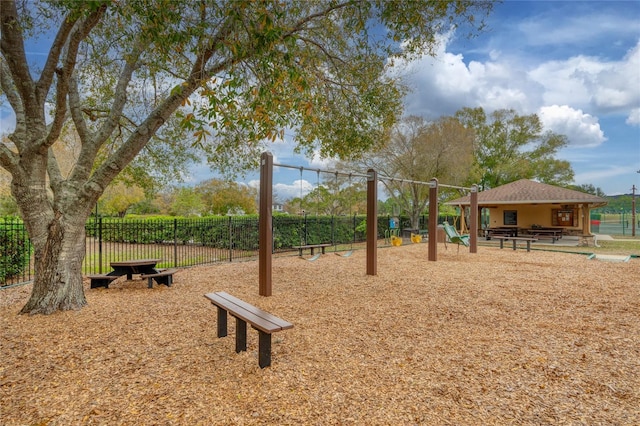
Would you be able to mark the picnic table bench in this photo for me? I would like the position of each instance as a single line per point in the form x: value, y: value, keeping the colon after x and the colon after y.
x: 244, y: 313
x: 504, y: 238
x: 163, y: 276
x: 312, y: 247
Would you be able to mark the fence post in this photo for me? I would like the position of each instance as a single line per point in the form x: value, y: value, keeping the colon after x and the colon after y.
x: 230, y: 240
x: 175, y: 242
x: 99, y: 222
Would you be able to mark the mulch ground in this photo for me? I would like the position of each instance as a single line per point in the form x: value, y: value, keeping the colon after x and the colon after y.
x: 497, y: 337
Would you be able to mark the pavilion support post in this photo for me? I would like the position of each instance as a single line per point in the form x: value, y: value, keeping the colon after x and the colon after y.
x: 372, y: 222
x: 433, y: 220
x: 265, y: 227
x: 473, y: 228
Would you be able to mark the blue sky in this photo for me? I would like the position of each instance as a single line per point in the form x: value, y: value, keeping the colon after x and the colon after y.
x: 574, y: 63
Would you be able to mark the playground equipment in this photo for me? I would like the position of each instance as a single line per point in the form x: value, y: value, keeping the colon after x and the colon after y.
x: 454, y: 236
x: 353, y: 236
x: 396, y: 241
x: 265, y: 232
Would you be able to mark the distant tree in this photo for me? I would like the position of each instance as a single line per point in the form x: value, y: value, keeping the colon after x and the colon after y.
x: 118, y: 198
x: 509, y: 147
x: 588, y: 188
x: 145, y: 207
x: 186, y: 201
x: 225, y: 197
x: 418, y: 151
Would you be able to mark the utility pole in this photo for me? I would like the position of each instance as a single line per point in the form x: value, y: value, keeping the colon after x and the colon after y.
x: 633, y: 210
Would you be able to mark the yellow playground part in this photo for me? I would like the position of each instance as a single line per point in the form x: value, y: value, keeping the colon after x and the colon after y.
x: 396, y: 241
x: 416, y: 238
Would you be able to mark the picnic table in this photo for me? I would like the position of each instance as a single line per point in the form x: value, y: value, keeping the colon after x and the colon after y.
x: 505, y: 231
x: 131, y: 267
x: 552, y: 233
x: 146, y: 268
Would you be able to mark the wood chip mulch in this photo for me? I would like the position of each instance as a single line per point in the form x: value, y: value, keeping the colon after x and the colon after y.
x: 497, y: 337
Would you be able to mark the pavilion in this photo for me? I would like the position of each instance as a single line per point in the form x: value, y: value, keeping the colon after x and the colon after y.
x: 528, y: 204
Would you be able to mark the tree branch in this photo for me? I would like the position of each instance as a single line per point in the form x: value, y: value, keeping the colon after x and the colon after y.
x: 10, y: 91
x: 80, y: 32
x: 8, y: 159
x: 12, y: 47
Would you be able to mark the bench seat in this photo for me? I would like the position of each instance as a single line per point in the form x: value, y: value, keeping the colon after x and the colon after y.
x: 164, y: 276
x: 503, y: 238
x: 101, y: 280
x: 244, y: 313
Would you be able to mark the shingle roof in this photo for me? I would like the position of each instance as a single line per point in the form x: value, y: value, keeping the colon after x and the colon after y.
x: 525, y: 191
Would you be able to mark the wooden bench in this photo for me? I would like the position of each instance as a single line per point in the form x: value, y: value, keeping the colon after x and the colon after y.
x: 244, y: 313
x: 101, y: 280
x: 164, y: 276
x: 312, y: 247
x: 528, y: 240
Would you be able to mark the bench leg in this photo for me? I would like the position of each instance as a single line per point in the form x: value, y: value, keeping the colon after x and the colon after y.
x: 322, y: 250
x: 95, y: 283
x: 311, y: 251
x: 150, y: 283
x: 501, y: 243
x: 264, y: 349
x: 222, y: 322
x: 514, y: 244
x: 528, y: 245
x: 241, y: 335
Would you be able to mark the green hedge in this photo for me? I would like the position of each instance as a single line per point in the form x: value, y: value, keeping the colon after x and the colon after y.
x: 238, y: 232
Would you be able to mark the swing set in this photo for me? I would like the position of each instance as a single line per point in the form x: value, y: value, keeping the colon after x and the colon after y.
x: 265, y: 232
x: 303, y: 228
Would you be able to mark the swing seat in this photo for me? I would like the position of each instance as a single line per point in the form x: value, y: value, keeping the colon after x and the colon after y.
x: 454, y: 237
x: 345, y: 254
x: 314, y: 257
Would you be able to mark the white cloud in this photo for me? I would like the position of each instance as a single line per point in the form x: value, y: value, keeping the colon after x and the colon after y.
x: 298, y: 188
x: 634, y: 117
x: 443, y: 84
x: 581, y: 129
x: 589, y: 82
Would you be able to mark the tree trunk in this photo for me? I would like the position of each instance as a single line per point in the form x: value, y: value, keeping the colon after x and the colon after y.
x: 58, y: 269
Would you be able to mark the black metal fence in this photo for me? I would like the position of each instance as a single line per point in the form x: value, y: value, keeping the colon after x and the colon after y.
x: 186, y: 242
x: 16, y: 260
x: 178, y: 242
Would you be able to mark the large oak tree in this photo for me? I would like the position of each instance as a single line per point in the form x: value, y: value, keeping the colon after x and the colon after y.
x: 509, y: 147
x: 417, y: 151
x: 238, y: 72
